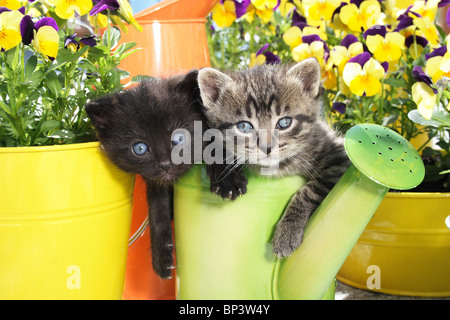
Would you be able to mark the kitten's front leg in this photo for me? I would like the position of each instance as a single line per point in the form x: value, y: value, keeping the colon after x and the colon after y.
x: 225, y: 182
x: 160, y: 218
x: 288, y: 234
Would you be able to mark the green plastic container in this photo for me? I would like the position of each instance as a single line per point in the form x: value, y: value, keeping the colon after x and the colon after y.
x: 224, y: 248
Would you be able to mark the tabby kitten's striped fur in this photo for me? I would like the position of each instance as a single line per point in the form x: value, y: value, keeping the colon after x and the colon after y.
x: 287, y: 99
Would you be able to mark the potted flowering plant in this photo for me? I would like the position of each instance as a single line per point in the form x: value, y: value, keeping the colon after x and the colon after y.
x: 49, y: 71
x: 55, y: 179
x: 383, y: 62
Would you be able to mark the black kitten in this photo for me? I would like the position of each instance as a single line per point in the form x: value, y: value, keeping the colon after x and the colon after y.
x: 138, y: 129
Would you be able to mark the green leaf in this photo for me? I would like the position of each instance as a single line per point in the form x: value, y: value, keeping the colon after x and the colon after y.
x: 49, y: 125
x: 443, y: 117
x: 87, y: 65
x: 386, y: 121
x: 111, y: 37
x: 36, y: 77
x: 53, y: 83
x: 30, y: 66
x: 415, y: 116
x: 123, y: 56
x: 124, y: 47
x: 395, y: 82
x: 98, y: 52
x: 65, y: 56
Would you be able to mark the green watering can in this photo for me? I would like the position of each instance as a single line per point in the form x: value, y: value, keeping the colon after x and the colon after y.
x: 223, y: 248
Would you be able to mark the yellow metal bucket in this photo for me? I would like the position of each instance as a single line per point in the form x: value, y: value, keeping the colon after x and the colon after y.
x: 65, y: 216
x: 405, y: 249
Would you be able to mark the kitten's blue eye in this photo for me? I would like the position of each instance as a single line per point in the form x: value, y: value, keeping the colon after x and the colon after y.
x: 244, y: 126
x: 178, y: 138
x: 284, y: 123
x: 140, y: 149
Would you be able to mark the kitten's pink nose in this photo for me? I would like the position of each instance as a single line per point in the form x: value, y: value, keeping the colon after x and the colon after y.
x: 165, y: 164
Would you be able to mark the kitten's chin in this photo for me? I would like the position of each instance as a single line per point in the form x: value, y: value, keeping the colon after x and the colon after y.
x: 268, y: 162
x: 167, y: 178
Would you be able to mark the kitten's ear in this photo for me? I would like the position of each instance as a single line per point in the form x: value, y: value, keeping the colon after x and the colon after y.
x: 307, y: 73
x: 211, y: 82
x: 189, y: 81
x: 100, y: 110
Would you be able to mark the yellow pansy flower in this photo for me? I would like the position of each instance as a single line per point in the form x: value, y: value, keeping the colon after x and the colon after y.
x: 363, y: 80
x: 293, y: 36
x: 425, y: 98
x: 66, y: 9
x: 340, y: 55
x: 265, y: 14
x: 11, y: 4
x: 363, y: 17
x: 264, y: 4
x: 329, y: 76
x: 320, y: 9
x: 428, y: 29
x: 445, y: 62
x: 304, y: 50
x: 285, y: 7
x: 46, y: 41
x: 224, y: 14
x: 433, y: 68
x: 10, y: 29
x: 388, y: 48
x: 126, y: 11
x: 99, y: 20
x: 257, y: 60
x: 426, y: 8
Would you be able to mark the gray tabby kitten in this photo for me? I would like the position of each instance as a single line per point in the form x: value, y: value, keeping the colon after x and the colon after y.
x: 288, y: 100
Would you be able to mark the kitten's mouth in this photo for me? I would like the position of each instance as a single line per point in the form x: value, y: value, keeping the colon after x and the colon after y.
x: 268, y: 161
x: 167, y: 177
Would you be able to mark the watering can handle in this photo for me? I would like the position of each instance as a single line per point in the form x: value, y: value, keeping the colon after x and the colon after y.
x: 338, y: 222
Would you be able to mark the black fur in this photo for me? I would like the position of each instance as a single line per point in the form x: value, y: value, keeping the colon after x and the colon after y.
x: 149, y: 113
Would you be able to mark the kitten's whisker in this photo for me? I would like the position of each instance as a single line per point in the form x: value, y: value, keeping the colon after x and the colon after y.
x: 231, y: 167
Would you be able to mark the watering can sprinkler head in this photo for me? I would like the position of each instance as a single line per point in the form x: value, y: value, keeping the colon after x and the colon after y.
x: 384, y: 156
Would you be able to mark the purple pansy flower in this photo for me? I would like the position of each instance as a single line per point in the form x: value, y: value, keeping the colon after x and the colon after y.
x: 405, y: 19
x: 419, y: 75
x: 437, y: 52
x: 447, y: 17
x: 271, y: 58
x: 314, y: 37
x: 89, y: 41
x: 417, y: 39
x: 361, y: 58
x: 298, y: 20
x: 376, y: 29
x: 357, y: 2
x: 102, y: 5
x: 348, y: 40
x: 27, y: 27
x: 4, y: 9
x: 241, y: 7
x: 339, y: 107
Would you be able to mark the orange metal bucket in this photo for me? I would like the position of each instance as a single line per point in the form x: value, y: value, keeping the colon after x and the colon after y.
x: 173, y: 40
